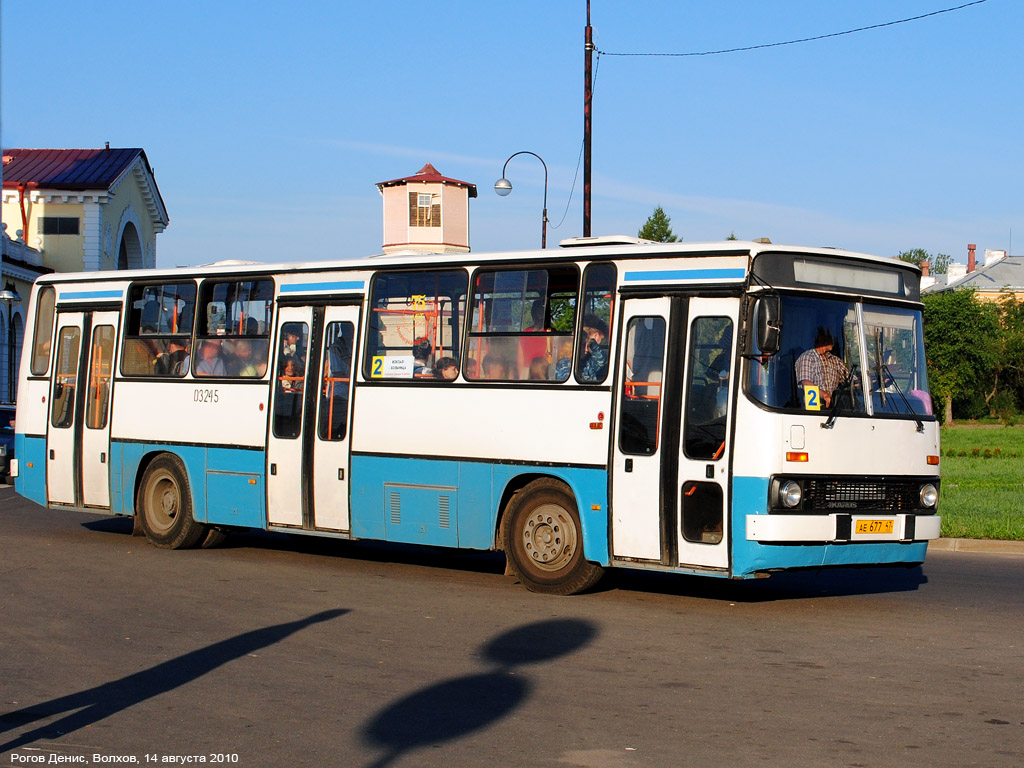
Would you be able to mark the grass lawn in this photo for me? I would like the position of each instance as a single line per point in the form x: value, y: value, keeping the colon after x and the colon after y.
x: 982, y: 471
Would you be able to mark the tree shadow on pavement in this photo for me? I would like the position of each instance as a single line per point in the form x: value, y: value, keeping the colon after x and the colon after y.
x: 88, y: 707
x: 454, y: 708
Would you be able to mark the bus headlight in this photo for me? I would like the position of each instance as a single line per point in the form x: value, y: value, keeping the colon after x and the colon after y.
x: 791, y: 494
x: 929, y: 495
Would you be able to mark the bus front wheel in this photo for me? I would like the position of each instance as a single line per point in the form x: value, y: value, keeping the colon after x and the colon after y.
x: 164, y: 505
x: 543, y: 541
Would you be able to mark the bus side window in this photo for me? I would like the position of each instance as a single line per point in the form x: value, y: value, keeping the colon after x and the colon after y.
x: 521, y: 324
x: 596, y: 324
x: 641, y: 396
x: 416, y: 319
x: 42, y: 336
x: 707, y: 388
x: 290, y: 380
x: 66, y: 378
x: 158, y: 335
x: 334, y: 386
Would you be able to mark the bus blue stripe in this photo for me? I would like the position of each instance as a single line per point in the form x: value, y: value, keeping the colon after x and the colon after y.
x: 338, y: 285
x: 90, y: 295
x: 684, y: 274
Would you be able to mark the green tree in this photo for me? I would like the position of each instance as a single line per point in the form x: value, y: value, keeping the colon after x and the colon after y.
x: 939, y: 263
x: 657, y: 228
x: 962, y: 343
x: 1006, y: 398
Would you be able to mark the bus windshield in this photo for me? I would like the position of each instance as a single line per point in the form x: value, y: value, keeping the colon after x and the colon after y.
x: 832, y: 351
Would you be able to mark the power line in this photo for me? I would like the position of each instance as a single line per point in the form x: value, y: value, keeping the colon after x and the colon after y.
x: 803, y: 39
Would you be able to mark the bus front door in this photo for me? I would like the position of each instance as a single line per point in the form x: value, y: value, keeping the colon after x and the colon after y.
x: 78, y: 431
x: 308, y: 439
x: 706, y: 456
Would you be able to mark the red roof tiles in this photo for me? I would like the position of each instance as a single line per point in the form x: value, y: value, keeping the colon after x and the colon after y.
x: 428, y: 173
x: 67, y: 168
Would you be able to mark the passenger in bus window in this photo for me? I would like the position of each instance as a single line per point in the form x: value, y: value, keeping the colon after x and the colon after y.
x: 421, y: 354
x: 292, y: 345
x: 564, y: 363
x: 173, y: 362
x: 210, y: 362
x: 820, y: 368
x: 539, y: 368
x: 291, y: 374
x: 536, y: 343
x: 495, y: 368
x: 243, y: 364
x: 593, y: 364
x: 446, y: 368
x: 472, y: 370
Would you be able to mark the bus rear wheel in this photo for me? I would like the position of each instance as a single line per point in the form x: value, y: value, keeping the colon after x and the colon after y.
x: 543, y: 541
x: 164, y: 505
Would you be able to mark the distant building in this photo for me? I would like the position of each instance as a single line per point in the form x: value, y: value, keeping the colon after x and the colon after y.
x: 19, y: 268
x: 998, y: 273
x: 84, y: 209
x: 70, y: 210
x: 426, y: 212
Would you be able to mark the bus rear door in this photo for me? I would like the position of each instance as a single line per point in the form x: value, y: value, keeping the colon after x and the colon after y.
x: 308, y: 440
x: 78, y: 432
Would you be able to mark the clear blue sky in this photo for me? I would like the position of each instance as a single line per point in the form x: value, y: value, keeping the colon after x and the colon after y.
x: 269, y: 124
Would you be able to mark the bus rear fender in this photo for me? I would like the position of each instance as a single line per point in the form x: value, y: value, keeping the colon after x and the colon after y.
x: 596, y: 549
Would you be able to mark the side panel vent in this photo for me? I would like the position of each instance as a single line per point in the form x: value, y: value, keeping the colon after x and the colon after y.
x: 444, y: 511
x: 395, y: 505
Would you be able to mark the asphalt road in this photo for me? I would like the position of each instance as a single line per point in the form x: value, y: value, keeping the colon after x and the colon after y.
x: 269, y: 652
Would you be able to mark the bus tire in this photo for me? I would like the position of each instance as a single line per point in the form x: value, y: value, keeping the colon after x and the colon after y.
x: 164, y: 505
x: 544, y: 540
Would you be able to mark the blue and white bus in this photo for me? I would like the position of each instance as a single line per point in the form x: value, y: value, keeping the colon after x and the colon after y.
x: 612, y: 403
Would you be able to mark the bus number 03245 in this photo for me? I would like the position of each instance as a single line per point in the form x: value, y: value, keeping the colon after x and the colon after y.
x: 206, y: 396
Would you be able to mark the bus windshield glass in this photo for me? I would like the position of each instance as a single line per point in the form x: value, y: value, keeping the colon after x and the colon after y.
x: 831, y: 352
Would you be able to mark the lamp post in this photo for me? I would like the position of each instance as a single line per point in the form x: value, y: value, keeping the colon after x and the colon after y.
x: 503, y: 187
x: 9, y: 297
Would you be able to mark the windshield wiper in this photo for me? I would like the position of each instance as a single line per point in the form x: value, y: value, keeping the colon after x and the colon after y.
x: 917, y: 419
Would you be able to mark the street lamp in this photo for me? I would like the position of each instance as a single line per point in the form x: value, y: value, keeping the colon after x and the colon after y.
x: 503, y: 187
x: 9, y: 296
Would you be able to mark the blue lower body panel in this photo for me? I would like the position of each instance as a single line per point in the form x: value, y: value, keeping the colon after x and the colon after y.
x: 453, y: 503
x: 227, y: 484
x: 31, y: 479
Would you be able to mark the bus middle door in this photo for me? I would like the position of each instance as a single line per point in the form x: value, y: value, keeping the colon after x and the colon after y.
x: 308, y: 439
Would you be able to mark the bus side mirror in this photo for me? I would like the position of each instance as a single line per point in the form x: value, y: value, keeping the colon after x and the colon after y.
x: 769, y: 324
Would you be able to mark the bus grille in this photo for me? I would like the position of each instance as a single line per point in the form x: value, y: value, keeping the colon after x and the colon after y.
x: 889, y: 496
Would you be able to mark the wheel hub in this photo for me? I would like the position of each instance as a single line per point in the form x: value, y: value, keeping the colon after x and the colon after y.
x: 549, y: 537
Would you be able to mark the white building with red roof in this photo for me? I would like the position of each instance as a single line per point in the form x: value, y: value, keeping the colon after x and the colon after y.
x: 84, y: 209
x: 426, y: 212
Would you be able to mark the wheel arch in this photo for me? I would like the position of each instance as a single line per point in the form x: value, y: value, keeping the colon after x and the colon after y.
x: 586, y: 490
x: 148, y: 458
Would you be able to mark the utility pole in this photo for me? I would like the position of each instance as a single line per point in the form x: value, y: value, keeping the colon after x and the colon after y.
x: 588, y: 95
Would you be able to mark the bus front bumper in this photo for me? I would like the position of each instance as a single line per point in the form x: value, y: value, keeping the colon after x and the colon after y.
x: 842, y: 527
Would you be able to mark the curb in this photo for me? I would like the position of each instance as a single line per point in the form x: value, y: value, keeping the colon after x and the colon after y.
x: 993, y: 546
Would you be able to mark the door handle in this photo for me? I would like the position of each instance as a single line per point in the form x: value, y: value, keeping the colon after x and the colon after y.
x: 273, y: 469
x: 629, y: 465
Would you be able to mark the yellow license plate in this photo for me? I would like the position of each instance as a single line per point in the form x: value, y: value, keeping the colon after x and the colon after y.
x: 874, y: 526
